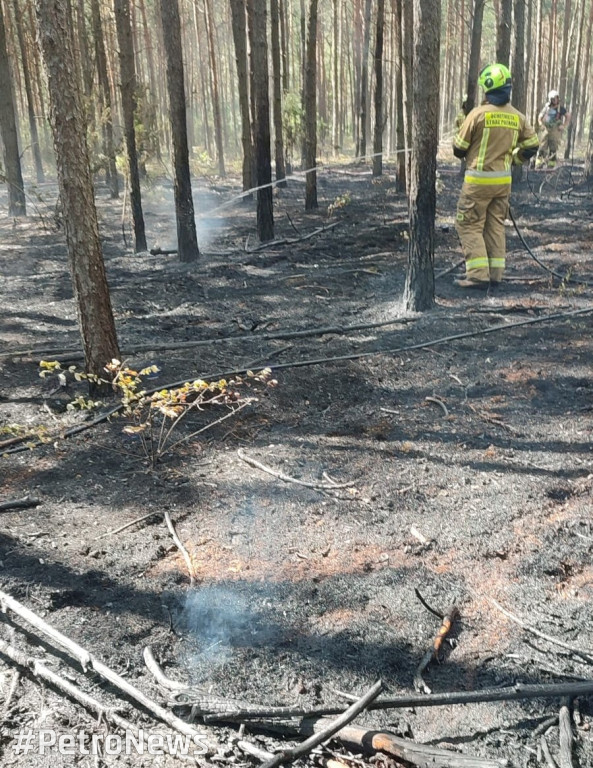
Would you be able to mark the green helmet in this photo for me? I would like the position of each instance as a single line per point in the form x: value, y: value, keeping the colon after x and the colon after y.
x: 494, y: 76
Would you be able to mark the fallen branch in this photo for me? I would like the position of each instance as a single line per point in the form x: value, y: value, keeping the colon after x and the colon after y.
x: 566, y: 736
x: 547, y: 754
x: 154, y: 668
x: 433, y: 653
x: 59, y: 683
x: 87, y: 660
x: 438, y: 402
x: 289, y: 755
x: 420, y: 755
x: 180, y: 547
x: 550, y: 638
x: 25, y: 503
x: 291, y: 240
x: 288, y: 479
x: 518, y: 692
x: 127, y: 525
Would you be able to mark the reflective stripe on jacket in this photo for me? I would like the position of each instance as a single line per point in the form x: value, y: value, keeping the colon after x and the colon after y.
x: 489, y: 135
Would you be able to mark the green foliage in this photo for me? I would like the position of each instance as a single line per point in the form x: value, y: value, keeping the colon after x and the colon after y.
x: 339, y: 204
x: 155, y: 418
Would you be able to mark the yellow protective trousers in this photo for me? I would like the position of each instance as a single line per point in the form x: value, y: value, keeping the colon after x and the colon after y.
x: 481, y: 213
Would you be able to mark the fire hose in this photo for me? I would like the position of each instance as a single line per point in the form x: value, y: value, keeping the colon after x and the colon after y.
x: 565, y: 278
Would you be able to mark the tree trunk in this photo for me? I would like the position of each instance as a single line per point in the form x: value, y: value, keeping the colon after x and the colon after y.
x: 378, y: 137
x: 474, y: 54
x: 263, y: 154
x: 336, y: 76
x: 401, y: 180
x: 91, y: 291
x: 503, y: 32
x: 574, y: 91
x: 311, y: 111
x: 8, y: 132
x: 407, y: 31
x: 565, y: 46
x: 187, y: 240
x: 240, y: 40
x: 277, y: 75
x: 105, y: 93
x: 39, y: 174
x: 419, y: 290
x: 218, y: 135
x: 519, y: 89
x: 128, y: 99
x: 364, y: 81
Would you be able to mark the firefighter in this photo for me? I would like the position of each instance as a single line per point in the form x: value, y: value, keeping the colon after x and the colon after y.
x: 552, y: 120
x: 493, y: 137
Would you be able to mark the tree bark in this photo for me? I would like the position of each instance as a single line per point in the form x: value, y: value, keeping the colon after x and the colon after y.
x: 364, y: 80
x: 401, y: 179
x: 128, y: 98
x: 503, y: 32
x: 379, y: 124
x: 218, y: 132
x: 239, y: 27
x: 277, y: 85
x: 263, y: 155
x: 34, y: 134
x: 311, y: 111
x: 8, y: 131
x: 474, y: 54
x: 187, y: 239
x: 419, y: 290
x: 519, y: 89
x: 105, y: 100
x: 91, y: 291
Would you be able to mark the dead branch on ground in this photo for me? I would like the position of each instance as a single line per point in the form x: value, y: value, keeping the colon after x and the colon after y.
x: 290, y: 240
x: 64, y: 686
x: 550, y: 638
x: 87, y: 660
x: 289, y: 755
x: 433, y: 653
x: 566, y: 736
x: 180, y: 547
x: 25, y: 503
x: 287, y: 479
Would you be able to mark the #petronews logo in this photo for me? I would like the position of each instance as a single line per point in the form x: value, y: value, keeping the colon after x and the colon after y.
x: 139, y: 742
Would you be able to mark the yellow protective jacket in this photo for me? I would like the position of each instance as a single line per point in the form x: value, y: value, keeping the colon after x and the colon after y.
x: 489, y: 136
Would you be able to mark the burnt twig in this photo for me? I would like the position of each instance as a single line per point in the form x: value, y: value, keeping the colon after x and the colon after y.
x: 433, y: 653
x: 287, y: 478
x: 550, y: 638
x: 180, y: 547
x: 288, y: 755
x: 566, y: 736
x: 25, y: 503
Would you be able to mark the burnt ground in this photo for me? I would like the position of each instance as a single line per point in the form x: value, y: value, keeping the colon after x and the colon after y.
x: 301, y: 592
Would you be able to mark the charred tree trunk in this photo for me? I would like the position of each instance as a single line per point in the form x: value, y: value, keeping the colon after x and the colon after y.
x: 263, y: 154
x: 311, y: 111
x: 8, y: 131
x: 240, y: 40
x: 91, y: 291
x: 378, y: 137
x: 128, y: 99
x: 419, y: 290
x: 187, y: 239
x: 277, y: 110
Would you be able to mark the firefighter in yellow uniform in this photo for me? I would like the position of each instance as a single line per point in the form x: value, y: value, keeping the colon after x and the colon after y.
x: 493, y: 137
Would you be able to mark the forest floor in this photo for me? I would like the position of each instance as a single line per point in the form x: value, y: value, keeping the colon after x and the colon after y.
x: 470, y: 461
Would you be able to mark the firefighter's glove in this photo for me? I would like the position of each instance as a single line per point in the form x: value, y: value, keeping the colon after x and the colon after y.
x: 518, y: 158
